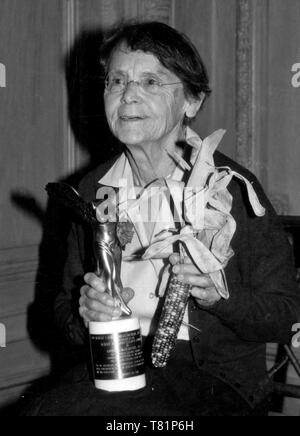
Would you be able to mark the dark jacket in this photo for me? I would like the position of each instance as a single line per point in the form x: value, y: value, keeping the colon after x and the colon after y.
x: 264, y: 298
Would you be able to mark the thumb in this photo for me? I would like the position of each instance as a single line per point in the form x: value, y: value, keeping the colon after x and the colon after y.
x: 128, y: 294
x: 174, y: 259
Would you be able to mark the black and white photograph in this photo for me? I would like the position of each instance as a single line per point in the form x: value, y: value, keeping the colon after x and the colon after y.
x: 149, y: 211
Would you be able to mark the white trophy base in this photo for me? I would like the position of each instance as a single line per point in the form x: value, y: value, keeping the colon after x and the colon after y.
x: 126, y: 384
x: 109, y: 373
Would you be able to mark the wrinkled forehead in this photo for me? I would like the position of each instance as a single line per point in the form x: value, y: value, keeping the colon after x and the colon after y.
x: 124, y: 59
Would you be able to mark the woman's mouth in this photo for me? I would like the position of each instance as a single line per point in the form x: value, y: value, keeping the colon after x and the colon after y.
x: 131, y: 118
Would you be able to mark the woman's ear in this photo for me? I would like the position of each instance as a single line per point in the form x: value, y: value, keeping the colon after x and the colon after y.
x: 193, y: 105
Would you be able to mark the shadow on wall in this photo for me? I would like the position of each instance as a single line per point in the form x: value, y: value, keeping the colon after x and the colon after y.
x: 85, y: 81
x: 85, y: 87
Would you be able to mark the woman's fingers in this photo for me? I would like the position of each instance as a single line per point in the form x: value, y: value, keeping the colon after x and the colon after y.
x: 103, y: 298
x: 103, y: 303
x: 92, y: 316
x: 203, y: 288
x: 190, y: 274
x: 186, y: 268
x: 201, y: 281
x: 95, y: 282
x: 208, y: 296
x: 175, y: 259
x: 96, y: 304
x: 91, y: 295
x: 96, y: 290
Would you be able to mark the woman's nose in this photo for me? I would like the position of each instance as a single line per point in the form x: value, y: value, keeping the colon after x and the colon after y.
x: 131, y: 92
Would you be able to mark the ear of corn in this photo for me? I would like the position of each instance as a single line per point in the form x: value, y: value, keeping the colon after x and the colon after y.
x: 176, y: 300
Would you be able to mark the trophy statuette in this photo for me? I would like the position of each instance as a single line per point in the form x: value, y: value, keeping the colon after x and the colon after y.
x: 116, y: 346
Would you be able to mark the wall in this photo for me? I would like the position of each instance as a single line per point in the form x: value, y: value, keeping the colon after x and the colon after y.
x: 32, y: 126
x: 201, y: 21
x: 283, y: 100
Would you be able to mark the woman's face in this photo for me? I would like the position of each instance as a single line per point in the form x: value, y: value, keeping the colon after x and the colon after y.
x: 137, y: 117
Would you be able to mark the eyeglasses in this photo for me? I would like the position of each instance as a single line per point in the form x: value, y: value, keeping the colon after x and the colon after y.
x: 115, y: 83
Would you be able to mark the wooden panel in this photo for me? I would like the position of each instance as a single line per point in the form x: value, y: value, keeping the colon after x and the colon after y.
x: 8, y: 397
x: 16, y: 327
x: 214, y: 35
x: 259, y: 110
x: 284, y: 104
x: 21, y: 362
x: 157, y: 10
x: 14, y: 261
x: 101, y: 14
x: 31, y: 121
x: 17, y: 295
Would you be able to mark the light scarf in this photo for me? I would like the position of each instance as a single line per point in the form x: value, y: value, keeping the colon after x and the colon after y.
x: 204, y: 205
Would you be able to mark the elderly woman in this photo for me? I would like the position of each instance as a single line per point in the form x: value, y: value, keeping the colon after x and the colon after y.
x: 155, y: 85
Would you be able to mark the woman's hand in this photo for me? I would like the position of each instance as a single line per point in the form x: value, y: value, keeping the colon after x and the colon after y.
x: 203, y: 289
x: 96, y: 304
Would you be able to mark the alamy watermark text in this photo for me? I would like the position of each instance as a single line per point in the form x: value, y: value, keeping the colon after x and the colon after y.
x: 159, y: 198
x: 2, y: 76
x: 296, y: 337
x: 296, y: 75
x: 2, y: 336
